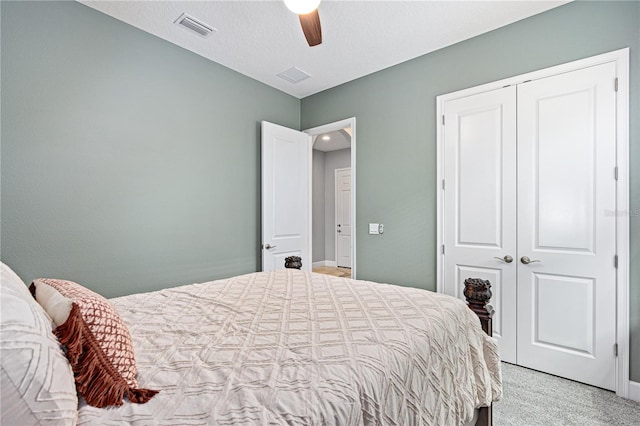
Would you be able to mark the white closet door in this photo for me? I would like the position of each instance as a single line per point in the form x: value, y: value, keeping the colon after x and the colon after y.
x: 566, y: 225
x: 480, y: 203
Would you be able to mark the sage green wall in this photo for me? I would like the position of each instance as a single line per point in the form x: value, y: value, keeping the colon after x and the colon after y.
x: 128, y: 164
x: 396, y: 126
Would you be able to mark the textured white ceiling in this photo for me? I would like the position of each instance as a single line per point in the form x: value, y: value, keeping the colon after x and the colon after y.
x: 263, y: 38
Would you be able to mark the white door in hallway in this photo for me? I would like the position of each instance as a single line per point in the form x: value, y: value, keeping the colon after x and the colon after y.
x: 480, y: 203
x: 566, y: 225
x: 343, y: 217
x: 286, y: 200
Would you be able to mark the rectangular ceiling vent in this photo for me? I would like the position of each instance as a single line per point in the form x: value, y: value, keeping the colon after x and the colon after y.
x: 194, y: 25
x: 294, y: 75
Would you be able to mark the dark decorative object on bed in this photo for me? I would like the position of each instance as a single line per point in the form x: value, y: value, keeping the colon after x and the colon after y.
x: 478, y: 292
x: 293, y: 262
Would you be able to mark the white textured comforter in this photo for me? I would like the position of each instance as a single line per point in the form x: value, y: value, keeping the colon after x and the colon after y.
x: 290, y: 347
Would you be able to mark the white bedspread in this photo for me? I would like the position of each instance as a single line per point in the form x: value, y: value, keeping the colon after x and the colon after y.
x: 289, y: 347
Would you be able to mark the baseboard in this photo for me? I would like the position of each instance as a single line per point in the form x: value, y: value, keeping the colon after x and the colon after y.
x: 634, y: 391
x: 324, y: 263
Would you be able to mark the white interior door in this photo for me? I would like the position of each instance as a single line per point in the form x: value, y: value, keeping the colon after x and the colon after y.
x: 479, y: 217
x: 286, y: 196
x: 343, y: 217
x: 566, y: 225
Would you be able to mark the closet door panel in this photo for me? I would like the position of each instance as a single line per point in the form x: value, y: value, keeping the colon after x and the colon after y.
x: 564, y: 164
x: 479, y: 208
x: 566, y: 229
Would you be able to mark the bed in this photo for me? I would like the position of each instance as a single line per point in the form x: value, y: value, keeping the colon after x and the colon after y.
x: 291, y: 347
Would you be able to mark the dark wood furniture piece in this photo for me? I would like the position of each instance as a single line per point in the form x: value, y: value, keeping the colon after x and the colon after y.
x: 478, y: 293
x: 293, y: 262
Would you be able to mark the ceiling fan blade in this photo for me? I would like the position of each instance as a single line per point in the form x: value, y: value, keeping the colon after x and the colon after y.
x: 311, y: 27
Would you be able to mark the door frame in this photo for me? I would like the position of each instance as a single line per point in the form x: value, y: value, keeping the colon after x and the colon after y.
x: 335, y: 208
x: 332, y: 127
x: 621, y: 59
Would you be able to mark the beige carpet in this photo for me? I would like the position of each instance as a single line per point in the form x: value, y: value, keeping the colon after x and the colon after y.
x: 533, y: 398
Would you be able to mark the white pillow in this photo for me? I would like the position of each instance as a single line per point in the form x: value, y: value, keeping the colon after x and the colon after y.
x: 56, y: 305
x: 11, y: 279
x: 36, y: 378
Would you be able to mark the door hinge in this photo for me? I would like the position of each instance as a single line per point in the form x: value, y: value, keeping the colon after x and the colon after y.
x: 443, y: 249
x: 615, y: 84
x: 443, y: 119
x: 616, y: 172
x: 615, y: 261
x: 443, y: 184
x: 615, y: 349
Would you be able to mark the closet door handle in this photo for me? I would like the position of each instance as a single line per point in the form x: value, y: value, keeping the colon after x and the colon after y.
x: 526, y: 260
x: 506, y: 259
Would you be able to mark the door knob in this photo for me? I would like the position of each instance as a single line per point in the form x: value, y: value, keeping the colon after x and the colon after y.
x: 505, y: 259
x: 339, y: 231
x: 526, y: 260
x: 269, y: 246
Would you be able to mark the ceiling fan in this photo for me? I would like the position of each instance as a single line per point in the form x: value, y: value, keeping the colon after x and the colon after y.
x: 307, y: 11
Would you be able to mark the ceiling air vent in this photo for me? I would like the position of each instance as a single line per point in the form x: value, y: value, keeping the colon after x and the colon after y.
x: 294, y: 75
x: 194, y: 25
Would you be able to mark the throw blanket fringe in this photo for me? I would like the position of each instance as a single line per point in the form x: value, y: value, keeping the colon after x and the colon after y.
x: 96, y: 378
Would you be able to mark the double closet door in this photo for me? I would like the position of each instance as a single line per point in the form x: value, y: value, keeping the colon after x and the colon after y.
x: 529, y: 204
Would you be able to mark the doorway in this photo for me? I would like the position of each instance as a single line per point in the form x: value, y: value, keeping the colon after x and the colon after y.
x: 333, y: 198
x: 287, y: 193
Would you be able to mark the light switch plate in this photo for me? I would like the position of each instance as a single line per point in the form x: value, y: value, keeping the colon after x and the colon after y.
x: 374, y: 228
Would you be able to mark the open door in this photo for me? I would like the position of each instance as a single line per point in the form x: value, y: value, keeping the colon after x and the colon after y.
x: 286, y: 196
